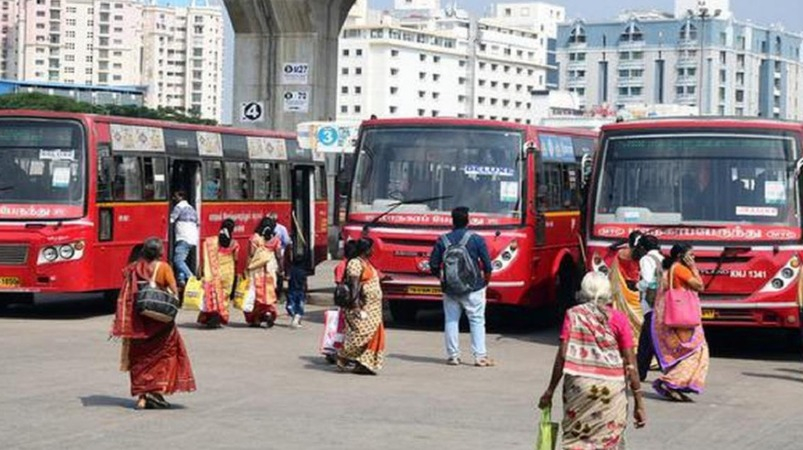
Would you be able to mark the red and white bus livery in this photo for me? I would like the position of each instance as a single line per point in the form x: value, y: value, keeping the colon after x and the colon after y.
x: 521, y: 183
x: 728, y: 187
x: 79, y: 193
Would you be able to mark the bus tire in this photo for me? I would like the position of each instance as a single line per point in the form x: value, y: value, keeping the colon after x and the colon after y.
x: 567, y: 284
x: 403, y: 312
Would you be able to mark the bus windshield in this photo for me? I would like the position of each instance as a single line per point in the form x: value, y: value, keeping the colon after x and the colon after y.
x: 698, y: 179
x: 42, y: 166
x: 433, y: 170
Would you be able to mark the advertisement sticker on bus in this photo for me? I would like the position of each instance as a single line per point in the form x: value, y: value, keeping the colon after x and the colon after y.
x: 557, y: 148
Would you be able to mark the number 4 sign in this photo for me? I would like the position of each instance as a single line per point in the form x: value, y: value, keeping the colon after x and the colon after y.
x: 252, y: 112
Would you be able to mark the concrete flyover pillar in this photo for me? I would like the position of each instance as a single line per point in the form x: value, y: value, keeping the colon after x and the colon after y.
x: 285, y: 60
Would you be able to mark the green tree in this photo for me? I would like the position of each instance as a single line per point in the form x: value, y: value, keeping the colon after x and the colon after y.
x: 45, y: 102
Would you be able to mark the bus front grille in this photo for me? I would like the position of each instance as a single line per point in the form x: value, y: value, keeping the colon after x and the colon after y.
x: 13, y: 255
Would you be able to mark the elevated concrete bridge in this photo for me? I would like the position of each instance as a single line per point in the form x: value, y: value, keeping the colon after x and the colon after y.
x: 272, y: 34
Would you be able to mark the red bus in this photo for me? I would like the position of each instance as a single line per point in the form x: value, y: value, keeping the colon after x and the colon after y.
x: 79, y: 193
x: 728, y: 187
x: 521, y: 183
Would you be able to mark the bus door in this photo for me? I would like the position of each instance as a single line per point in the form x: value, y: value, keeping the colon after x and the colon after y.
x: 185, y: 176
x: 302, y: 197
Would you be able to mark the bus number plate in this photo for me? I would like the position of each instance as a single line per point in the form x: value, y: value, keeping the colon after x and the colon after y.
x: 423, y: 290
x: 9, y: 282
x: 709, y: 314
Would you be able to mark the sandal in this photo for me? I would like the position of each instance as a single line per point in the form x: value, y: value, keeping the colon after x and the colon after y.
x: 484, y: 362
x: 157, y: 401
x: 142, y: 403
x: 664, y: 391
x: 360, y: 369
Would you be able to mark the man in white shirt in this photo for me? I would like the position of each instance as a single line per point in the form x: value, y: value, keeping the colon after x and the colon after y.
x: 185, y: 219
x: 280, y: 231
x: 650, y: 270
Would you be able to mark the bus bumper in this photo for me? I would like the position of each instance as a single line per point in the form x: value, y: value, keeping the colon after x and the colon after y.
x: 413, y: 288
x: 751, y: 314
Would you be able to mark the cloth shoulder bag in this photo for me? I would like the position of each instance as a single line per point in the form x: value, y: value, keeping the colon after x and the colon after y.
x: 155, y: 303
x: 681, y: 306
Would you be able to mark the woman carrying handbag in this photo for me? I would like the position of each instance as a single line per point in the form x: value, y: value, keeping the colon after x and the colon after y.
x: 678, y: 335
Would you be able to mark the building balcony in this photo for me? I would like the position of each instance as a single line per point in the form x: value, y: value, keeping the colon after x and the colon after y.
x: 577, y: 45
x: 687, y: 80
x: 627, y: 82
x: 631, y: 64
x: 576, y: 82
x: 572, y: 65
x: 631, y: 44
x: 686, y: 98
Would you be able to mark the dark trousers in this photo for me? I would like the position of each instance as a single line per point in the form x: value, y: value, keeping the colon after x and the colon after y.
x: 645, y: 349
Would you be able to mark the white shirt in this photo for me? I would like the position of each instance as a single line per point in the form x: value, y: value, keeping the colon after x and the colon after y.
x: 648, y: 269
x: 186, y: 220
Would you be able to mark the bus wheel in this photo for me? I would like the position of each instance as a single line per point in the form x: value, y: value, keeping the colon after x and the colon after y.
x: 403, y: 312
x: 567, y: 285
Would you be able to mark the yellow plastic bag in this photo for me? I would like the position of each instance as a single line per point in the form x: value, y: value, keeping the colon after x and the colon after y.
x: 194, y: 294
x: 240, y: 293
x: 547, y: 432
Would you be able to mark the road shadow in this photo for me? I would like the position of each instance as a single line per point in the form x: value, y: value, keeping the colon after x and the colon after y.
x: 107, y: 401
x: 754, y: 344
x: 65, y: 310
x: 318, y: 363
x: 418, y: 359
x: 777, y: 376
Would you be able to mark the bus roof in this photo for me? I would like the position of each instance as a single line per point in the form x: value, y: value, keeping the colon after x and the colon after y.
x: 702, y: 122
x: 480, y: 123
x: 143, y: 122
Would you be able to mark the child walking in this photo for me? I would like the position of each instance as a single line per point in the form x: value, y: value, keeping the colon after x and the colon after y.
x: 297, y: 292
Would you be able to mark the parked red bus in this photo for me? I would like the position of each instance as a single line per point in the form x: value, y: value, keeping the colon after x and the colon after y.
x: 79, y: 193
x: 521, y: 183
x: 728, y: 187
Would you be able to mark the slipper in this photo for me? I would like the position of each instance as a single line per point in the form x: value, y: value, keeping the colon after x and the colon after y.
x: 156, y: 401
x: 665, y: 392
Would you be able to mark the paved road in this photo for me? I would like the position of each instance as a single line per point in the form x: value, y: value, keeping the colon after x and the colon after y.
x: 268, y: 389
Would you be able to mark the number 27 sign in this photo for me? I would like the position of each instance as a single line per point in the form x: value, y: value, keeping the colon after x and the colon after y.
x: 295, y: 73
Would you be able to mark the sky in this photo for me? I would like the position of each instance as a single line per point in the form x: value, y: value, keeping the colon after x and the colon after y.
x: 787, y: 12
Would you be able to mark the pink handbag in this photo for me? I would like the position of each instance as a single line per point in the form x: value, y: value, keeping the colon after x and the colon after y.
x: 681, y: 306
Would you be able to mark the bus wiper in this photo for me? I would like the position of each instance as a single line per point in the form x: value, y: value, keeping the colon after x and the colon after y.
x: 393, y: 206
x: 727, y: 252
x: 10, y: 187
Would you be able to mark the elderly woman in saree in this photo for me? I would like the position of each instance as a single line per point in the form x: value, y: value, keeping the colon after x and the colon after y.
x: 364, y: 345
x: 263, y: 264
x: 596, y: 361
x: 624, y: 278
x: 682, y: 352
x: 219, y: 268
x: 153, y: 351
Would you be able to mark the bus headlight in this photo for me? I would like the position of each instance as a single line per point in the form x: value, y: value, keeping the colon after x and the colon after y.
x: 784, y: 277
x: 505, y: 257
x: 598, y: 265
x: 59, y: 253
x: 66, y: 251
x: 50, y: 254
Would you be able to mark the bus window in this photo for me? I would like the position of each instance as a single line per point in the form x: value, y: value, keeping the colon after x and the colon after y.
x: 155, y: 185
x: 236, y: 180
x: 260, y: 176
x: 559, y: 188
x: 127, y: 178
x: 320, y: 183
x: 280, y: 181
x: 105, y: 177
x: 212, y: 174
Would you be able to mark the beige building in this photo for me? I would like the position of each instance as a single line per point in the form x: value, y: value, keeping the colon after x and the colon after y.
x: 177, y: 53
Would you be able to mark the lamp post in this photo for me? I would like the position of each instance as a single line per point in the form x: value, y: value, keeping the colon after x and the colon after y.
x: 703, y: 14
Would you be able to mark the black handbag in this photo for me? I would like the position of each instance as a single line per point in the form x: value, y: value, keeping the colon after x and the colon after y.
x: 155, y: 303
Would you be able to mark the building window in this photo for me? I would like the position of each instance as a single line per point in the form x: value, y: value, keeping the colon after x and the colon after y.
x: 358, y: 71
x: 344, y: 71
x: 345, y: 52
x: 359, y: 52
x: 577, y: 36
x: 393, y: 109
x: 688, y: 32
x: 394, y: 90
x: 357, y: 109
x: 632, y: 34
x: 344, y: 109
x: 394, y: 72
x: 421, y: 113
x: 344, y: 90
x: 422, y: 94
x: 422, y: 57
x: 394, y: 53
x: 358, y: 89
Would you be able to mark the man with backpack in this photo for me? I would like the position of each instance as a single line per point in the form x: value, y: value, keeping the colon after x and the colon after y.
x: 460, y: 260
x: 649, y: 280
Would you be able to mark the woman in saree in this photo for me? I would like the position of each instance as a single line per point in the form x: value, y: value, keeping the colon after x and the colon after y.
x: 219, y: 269
x: 153, y: 352
x: 681, y: 352
x: 263, y: 264
x: 364, y: 345
x: 624, y: 284
x: 597, y: 363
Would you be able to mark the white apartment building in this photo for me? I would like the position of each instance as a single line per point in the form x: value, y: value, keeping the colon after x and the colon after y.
x: 540, y: 16
x: 182, y: 58
x: 176, y: 52
x: 448, y: 65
